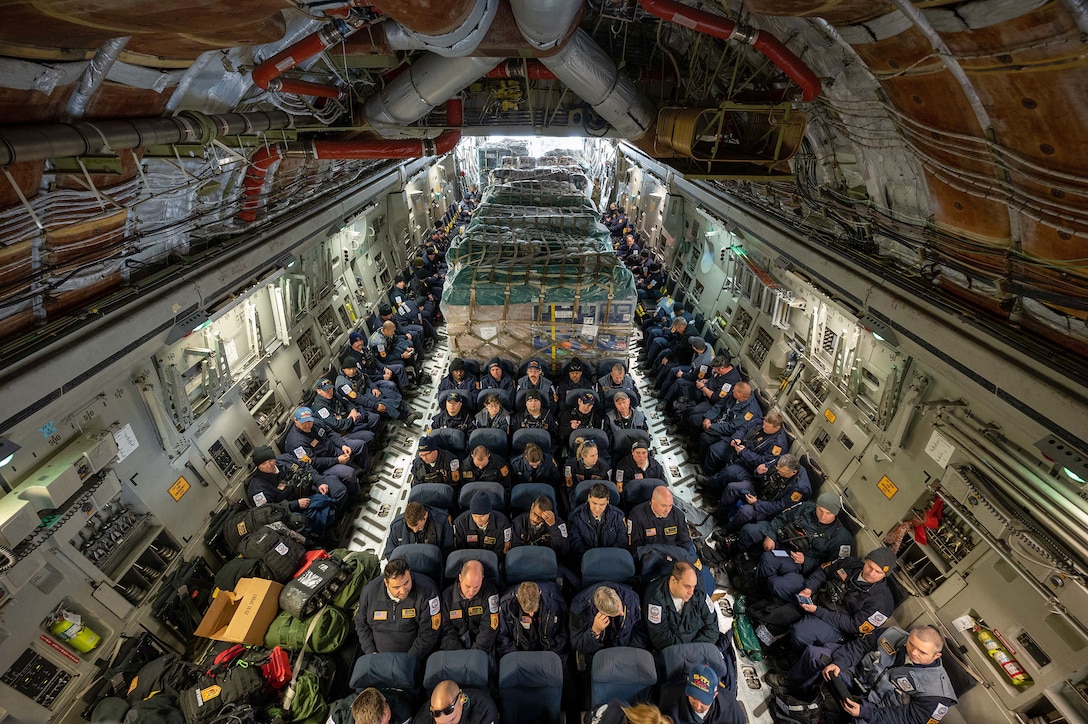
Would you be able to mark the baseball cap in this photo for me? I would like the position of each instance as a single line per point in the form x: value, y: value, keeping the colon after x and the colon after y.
x: 481, y: 504
x: 323, y: 384
x: 384, y: 310
x: 587, y: 398
x: 534, y: 365
x: 883, y: 557
x: 829, y: 502
x: 455, y: 397
x: 639, y: 445
x: 304, y: 413
x: 262, y: 454
x: 355, y: 337
x: 702, y: 683
x: 427, y: 444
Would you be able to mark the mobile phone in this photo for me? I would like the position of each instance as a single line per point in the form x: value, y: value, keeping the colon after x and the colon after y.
x: 780, y: 553
x: 804, y: 599
x: 841, y: 692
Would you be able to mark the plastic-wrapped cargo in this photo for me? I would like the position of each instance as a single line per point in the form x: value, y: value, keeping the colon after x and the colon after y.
x: 535, y: 275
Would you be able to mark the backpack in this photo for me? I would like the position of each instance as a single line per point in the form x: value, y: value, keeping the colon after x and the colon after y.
x: 363, y: 567
x: 279, y: 550
x: 310, y: 705
x: 166, y: 675
x: 329, y: 633
x: 250, y: 520
x: 238, y: 568
x: 313, y: 587
x: 161, y: 709
x: 183, y: 599
x: 204, y: 702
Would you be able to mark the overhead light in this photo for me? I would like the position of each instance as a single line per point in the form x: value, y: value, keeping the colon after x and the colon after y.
x: 286, y: 261
x: 879, y: 329
x: 1072, y: 476
x: 7, y: 450
x: 188, y: 324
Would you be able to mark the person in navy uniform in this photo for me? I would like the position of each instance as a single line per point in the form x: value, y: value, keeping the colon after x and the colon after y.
x: 311, y: 441
x: 702, y: 699
x: 616, y: 379
x: 450, y: 704
x: 390, y: 354
x: 540, y: 526
x: 482, y: 527
x: 459, y: 379
x: 623, y: 417
x: 472, y: 611
x: 419, y: 524
x: 784, y: 485
x: 340, y: 415
x: 894, y: 678
x: 359, y: 348
x: 492, y: 414
x: 707, y: 392
x: 371, y: 396
x: 682, y: 376
x: 795, y: 543
x: 605, y: 615
x: 496, y: 378
x: 657, y: 522
x: 676, y: 610
x: 586, y: 463
x: 285, y: 479
x: 454, y: 415
x: 572, y: 379
x: 581, y: 415
x: 432, y: 464
x: 534, y: 379
x: 638, y: 465
x: 752, y: 451
x: 533, y: 466
x: 483, y: 466
x: 733, y: 410
x: 596, y: 523
x: 537, y: 416
x: 533, y: 618
x: 400, y: 612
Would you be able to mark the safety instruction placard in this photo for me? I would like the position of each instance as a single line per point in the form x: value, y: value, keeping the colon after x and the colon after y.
x: 179, y: 488
x: 887, y: 487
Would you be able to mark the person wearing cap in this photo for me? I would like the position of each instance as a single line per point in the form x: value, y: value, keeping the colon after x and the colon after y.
x: 393, y: 349
x: 534, y: 379
x: 616, y: 379
x: 849, y: 598
x: 533, y: 617
x: 492, y: 414
x: 701, y: 699
x: 671, y: 344
x: 484, y: 466
x: 706, y: 393
x: 454, y: 415
x: 383, y: 375
x: 313, y: 442
x: 750, y: 453
x: 536, y: 415
x: 637, y: 465
x: 733, y: 410
x: 419, y: 524
x: 605, y: 615
x: 623, y: 416
x: 381, y: 352
x: 472, y: 611
x: 399, y: 612
x: 432, y: 464
x: 786, y: 484
x: 540, y: 526
x: 572, y: 378
x: 459, y: 379
x: 452, y: 704
x: 677, y: 611
x: 680, y: 383
x: 596, y: 523
x: 346, y: 419
x: 379, y: 397
x: 652, y: 282
x: 284, y: 479
x: 482, y: 527
x: 584, y: 413
x: 806, y: 536
x: 495, y: 378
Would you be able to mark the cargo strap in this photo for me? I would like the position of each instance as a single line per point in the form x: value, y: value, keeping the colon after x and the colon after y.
x: 289, y: 695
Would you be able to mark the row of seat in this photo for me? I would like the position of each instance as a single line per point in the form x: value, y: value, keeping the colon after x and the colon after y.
x: 442, y: 496
x: 495, y: 440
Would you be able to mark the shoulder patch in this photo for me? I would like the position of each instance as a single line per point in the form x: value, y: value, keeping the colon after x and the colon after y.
x: 654, y: 613
x: 877, y: 619
x: 866, y: 628
x: 776, y: 450
x: 345, y: 388
x: 506, y: 535
x: 323, y: 412
x: 563, y: 529
x: 796, y: 496
x: 844, y: 551
x: 904, y: 683
x: 258, y: 500
x: 434, y: 606
x: 747, y: 416
x: 493, y: 603
x: 940, y: 711
x: 887, y: 646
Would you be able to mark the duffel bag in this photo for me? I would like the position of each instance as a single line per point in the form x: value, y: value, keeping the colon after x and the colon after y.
x: 363, y: 567
x: 330, y: 631
x: 313, y: 587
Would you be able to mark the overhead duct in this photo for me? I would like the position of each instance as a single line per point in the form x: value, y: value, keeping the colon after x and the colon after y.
x: 724, y: 28
x: 266, y: 75
x: 253, y: 187
x: 545, y: 23
x: 447, y: 29
x: 416, y: 92
x: 94, y: 76
x: 89, y: 138
x: 407, y: 148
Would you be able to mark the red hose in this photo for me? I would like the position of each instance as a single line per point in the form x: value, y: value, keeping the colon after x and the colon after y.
x: 253, y: 183
x: 514, y: 69
x: 724, y: 28
x: 266, y: 75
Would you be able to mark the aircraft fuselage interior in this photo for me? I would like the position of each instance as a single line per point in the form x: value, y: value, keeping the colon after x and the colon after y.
x: 181, y: 273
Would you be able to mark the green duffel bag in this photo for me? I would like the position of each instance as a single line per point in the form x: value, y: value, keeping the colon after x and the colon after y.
x: 329, y: 634
x: 309, y: 700
x: 364, y: 566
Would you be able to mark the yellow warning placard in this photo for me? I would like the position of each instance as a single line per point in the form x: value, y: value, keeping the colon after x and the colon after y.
x: 830, y: 415
x: 887, y: 487
x: 179, y: 488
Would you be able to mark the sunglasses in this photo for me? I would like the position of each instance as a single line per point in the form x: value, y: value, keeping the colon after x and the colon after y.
x: 449, y: 709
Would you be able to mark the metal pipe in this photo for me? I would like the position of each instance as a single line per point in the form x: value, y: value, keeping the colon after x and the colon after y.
x: 720, y: 27
x: 253, y: 184
x: 415, y: 93
x: 406, y: 148
x: 533, y: 70
x: 94, y: 76
x: 545, y: 23
x: 473, y: 20
x: 65, y: 140
x: 266, y: 75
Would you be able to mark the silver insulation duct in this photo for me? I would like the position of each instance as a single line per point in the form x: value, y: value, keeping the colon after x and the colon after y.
x: 94, y: 76
x: 544, y: 23
x: 456, y: 43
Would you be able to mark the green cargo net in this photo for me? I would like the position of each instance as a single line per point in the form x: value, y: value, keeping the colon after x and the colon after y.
x: 551, y: 218
x: 538, y: 193
x: 552, y: 174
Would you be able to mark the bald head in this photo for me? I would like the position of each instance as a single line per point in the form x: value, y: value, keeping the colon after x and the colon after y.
x: 661, y: 501
x: 443, y: 694
x: 470, y: 579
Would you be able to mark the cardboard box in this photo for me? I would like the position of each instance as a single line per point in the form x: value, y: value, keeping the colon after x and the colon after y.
x: 243, y: 615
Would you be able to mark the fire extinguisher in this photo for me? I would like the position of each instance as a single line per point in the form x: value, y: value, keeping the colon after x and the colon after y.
x: 1001, y: 657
